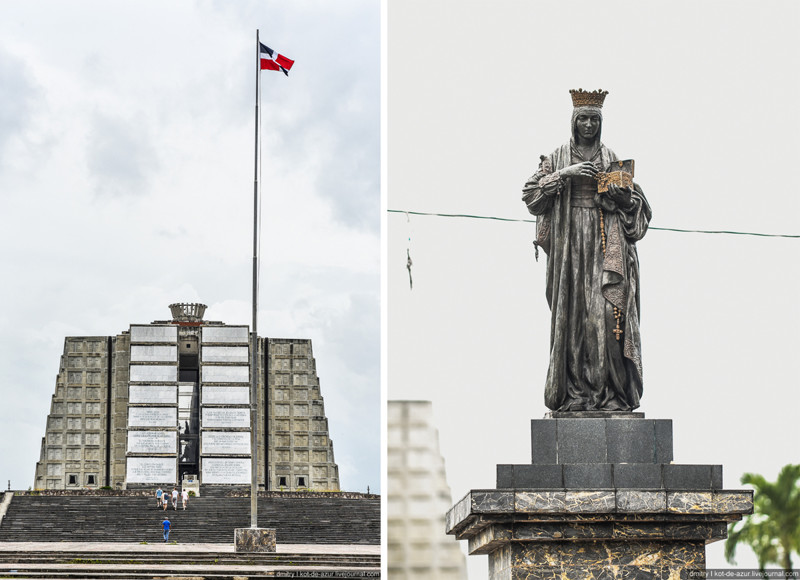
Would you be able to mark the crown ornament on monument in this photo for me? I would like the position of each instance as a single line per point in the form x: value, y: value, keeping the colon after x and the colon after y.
x: 581, y: 98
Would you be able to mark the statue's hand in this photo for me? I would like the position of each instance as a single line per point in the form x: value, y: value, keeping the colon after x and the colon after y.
x: 621, y: 195
x: 587, y: 169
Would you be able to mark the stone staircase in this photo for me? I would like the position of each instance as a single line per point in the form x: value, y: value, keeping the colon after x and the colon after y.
x: 321, y: 519
x: 185, y: 565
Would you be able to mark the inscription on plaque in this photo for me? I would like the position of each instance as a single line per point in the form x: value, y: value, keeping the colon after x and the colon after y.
x: 226, y: 354
x: 153, y: 394
x: 236, y: 334
x: 152, y: 442
x: 226, y: 374
x: 152, y: 417
x: 226, y: 417
x: 145, y: 373
x: 223, y: 470
x: 151, y: 470
x: 154, y: 353
x: 226, y: 443
x: 154, y: 333
x: 226, y: 395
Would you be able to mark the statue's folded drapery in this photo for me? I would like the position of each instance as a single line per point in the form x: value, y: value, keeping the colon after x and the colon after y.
x: 591, y: 284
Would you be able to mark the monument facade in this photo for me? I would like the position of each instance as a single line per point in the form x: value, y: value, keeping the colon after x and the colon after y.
x: 417, y: 498
x: 170, y: 400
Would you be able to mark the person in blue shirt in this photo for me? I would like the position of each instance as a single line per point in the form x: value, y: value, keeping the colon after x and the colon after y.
x: 166, y: 525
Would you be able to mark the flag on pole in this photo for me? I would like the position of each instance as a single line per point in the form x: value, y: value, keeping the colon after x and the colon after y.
x: 271, y: 60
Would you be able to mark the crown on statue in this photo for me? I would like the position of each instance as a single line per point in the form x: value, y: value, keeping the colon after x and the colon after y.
x: 581, y: 98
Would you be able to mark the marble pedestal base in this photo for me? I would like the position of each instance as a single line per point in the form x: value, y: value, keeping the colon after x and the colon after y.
x: 630, y: 534
x: 254, y: 540
x: 601, y: 498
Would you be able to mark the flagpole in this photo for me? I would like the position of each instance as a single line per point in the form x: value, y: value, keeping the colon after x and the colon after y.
x: 254, y: 336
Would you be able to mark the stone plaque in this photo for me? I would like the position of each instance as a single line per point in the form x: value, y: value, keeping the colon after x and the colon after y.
x: 226, y: 374
x: 154, y: 333
x: 151, y: 470
x: 235, y: 334
x: 226, y: 443
x: 153, y: 394
x: 152, y: 442
x: 225, y: 417
x: 152, y: 417
x: 226, y: 354
x: 226, y: 395
x: 156, y: 373
x: 154, y: 353
x: 224, y: 470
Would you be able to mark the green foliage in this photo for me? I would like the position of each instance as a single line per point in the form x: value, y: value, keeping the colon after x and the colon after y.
x: 773, y: 530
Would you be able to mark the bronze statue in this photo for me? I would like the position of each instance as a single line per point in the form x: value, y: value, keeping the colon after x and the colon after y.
x: 592, y: 267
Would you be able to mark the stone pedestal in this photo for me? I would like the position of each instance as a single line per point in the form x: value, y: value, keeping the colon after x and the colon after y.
x: 600, y: 499
x: 254, y: 540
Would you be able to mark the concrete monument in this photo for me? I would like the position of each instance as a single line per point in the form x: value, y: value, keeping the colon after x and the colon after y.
x: 169, y: 401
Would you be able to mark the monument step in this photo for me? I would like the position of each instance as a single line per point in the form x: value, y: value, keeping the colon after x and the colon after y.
x: 666, y: 476
x: 327, y: 520
x: 621, y: 438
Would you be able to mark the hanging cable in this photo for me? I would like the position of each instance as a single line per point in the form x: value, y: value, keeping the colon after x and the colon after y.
x: 533, y: 221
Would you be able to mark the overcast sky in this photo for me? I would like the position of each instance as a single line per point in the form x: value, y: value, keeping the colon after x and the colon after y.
x: 126, y: 179
x: 702, y: 96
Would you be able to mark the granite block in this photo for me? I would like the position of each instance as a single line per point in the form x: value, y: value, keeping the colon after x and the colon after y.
x: 594, y: 415
x: 544, y: 531
x: 484, y: 501
x: 663, y: 437
x: 590, y: 501
x: 587, y: 476
x: 734, y: 502
x: 581, y: 440
x: 544, y: 444
x: 489, y: 538
x: 687, y: 476
x: 630, y: 440
x: 637, y: 476
x: 639, y: 501
x: 539, y: 501
x: 690, y: 502
x: 716, y: 477
x: 538, y: 476
x: 254, y: 540
x: 505, y: 476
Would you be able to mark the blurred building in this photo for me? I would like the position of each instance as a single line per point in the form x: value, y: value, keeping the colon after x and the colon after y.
x: 170, y: 400
x: 418, y: 498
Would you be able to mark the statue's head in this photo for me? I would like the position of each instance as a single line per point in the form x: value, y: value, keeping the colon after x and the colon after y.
x: 587, y: 114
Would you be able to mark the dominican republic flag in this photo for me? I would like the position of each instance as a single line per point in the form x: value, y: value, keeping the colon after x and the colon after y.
x: 271, y: 60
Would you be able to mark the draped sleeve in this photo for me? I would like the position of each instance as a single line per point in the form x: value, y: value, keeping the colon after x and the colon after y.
x: 635, y: 218
x: 542, y: 188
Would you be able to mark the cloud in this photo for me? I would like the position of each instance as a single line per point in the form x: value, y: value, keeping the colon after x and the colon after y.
x: 120, y: 156
x: 19, y: 95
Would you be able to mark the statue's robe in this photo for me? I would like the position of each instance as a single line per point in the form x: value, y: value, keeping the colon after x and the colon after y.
x: 589, y: 368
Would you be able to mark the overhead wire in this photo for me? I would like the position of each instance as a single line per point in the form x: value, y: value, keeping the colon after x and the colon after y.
x: 533, y: 221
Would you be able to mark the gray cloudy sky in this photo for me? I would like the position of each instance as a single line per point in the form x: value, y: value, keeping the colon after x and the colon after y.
x: 126, y: 179
x: 702, y: 97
